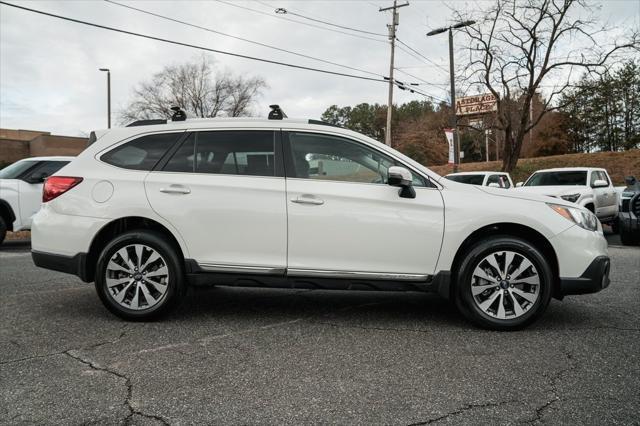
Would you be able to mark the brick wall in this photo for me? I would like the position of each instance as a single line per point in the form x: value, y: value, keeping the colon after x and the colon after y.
x: 19, y: 144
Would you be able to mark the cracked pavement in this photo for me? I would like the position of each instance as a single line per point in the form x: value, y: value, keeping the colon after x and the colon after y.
x: 240, y: 355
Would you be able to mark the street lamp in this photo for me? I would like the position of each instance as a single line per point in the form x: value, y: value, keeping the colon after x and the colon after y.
x: 456, y: 139
x: 108, y: 95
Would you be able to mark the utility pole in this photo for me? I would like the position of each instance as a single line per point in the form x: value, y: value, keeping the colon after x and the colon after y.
x: 486, y: 143
x: 392, y: 39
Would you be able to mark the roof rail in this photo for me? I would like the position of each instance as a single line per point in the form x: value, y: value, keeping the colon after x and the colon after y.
x: 324, y: 123
x: 147, y: 122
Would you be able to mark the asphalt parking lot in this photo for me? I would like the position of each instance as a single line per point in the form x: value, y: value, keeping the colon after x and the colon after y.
x: 252, y: 356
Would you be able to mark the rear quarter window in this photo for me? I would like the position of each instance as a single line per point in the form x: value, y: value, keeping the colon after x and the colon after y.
x: 142, y: 153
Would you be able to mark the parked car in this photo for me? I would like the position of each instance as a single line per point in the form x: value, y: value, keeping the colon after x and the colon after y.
x: 21, y: 190
x: 585, y: 186
x: 493, y: 179
x: 629, y: 215
x: 147, y: 210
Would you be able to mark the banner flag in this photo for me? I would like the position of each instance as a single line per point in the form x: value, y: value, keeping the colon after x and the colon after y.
x: 449, y: 134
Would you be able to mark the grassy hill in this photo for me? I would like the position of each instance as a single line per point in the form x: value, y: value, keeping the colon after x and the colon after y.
x: 618, y: 164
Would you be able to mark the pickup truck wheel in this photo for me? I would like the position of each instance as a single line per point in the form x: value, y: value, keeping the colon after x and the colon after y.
x: 139, y: 276
x: 504, y: 283
x: 615, y: 227
x: 3, y: 230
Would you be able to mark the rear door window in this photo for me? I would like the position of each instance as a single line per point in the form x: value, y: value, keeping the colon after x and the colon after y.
x: 142, y: 153
x: 249, y: 153
x: 46, y: 169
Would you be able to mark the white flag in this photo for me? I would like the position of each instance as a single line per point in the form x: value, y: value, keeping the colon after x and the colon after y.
x: 449, y: 134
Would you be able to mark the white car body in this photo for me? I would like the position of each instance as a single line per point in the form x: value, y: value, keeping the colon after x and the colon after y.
x: 603, y: 200
x: 493, y: 179
x: 301, y: 229
x: 20, y: 199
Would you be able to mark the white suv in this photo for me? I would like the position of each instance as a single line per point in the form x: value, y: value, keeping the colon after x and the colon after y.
x: 147, y: 210
x: 21, y: 190
x: 585, y: 186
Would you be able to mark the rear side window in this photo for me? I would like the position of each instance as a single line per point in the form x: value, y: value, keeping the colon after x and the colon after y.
x: 468, y: 179
x: 46, y: 169
x: 249, y: 153
x: 142, y: 153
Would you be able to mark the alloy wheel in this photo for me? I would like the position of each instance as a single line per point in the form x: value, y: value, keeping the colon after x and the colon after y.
x: 505, y: 284
x: 137, y: 277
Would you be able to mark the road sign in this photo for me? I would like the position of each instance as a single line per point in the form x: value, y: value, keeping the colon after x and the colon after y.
x: 478, y: 104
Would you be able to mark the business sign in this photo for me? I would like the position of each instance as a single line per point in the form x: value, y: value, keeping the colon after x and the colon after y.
x: 449, y: 134
x: 478, y: 104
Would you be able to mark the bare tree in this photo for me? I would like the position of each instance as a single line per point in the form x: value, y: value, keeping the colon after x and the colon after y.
x: 520, y: 44
x: 196, y: 88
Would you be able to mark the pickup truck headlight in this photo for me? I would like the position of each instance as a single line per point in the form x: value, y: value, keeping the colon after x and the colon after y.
x: 581, y: 217
x: 572, y: 198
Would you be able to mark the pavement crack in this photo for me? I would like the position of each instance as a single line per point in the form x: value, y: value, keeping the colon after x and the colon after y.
x: 553, y: 381
x: 129, y: 388
x: 462, y: 410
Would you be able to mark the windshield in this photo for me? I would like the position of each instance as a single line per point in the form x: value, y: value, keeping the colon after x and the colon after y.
x: 16, y: 169
x: 470, y: 179
x: 575, y: 177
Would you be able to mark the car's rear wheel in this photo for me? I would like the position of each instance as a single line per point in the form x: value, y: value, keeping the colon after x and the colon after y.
x: 3, y: 229
x: 139, y: 276
x: 503, y: 283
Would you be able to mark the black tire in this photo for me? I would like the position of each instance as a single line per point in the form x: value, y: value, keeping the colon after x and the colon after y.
x: 627, y: 238
x: 474, y: 256
x: 175, y: 284
x: 3, y: 229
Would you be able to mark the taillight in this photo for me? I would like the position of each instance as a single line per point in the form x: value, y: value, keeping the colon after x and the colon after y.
x: 55, y: 186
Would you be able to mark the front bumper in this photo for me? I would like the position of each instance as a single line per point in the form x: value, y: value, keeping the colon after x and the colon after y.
x: 594, y: 278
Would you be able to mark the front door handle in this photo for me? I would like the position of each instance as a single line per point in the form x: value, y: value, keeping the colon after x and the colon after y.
x: 176, y: 189
x: 307, y: 200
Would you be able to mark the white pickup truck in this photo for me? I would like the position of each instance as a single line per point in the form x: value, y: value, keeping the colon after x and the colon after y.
x: 21, y: 190
x: 586, y: 186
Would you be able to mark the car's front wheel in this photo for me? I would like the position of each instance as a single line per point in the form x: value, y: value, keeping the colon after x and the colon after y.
x: 503, y: 283
x: 139, y: 276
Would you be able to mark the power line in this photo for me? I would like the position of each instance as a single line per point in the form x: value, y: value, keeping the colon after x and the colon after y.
x: 421, y: 55
x: 298, y: 22
x: 419, y: 79
x: 222, y: 52
x: 178, y: 43
x: 289, y: 12
x: 241, y: 38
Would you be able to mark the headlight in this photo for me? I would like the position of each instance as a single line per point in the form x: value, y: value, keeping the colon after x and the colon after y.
x: 581, y: 217
x: 570, y: 197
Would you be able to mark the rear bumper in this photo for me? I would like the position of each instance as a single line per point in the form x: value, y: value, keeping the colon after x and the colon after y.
x: 74, y: 265
x: 594, y: 278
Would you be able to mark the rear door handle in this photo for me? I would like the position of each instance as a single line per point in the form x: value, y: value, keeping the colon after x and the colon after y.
x: 307, y: 200
x: 176, y: 189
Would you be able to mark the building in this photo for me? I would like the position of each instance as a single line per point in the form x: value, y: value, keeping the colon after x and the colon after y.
x: 18, y: 144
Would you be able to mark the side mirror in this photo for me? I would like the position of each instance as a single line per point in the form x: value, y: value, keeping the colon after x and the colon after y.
x: 630, y: 180
x: 519, y: 184
x: 599, y: 183
x: 399, y: 176
x: 493, y: 185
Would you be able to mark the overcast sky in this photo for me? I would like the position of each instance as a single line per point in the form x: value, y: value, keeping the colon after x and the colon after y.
x: 49, y: 78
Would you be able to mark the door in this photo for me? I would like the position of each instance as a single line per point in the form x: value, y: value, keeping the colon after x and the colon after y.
x: 224, y: 191
x: 30, y: 187
x: 345, y: 220
x: 609, y: 206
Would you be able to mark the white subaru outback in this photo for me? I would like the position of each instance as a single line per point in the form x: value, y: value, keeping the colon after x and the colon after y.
x: 149, y: 209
